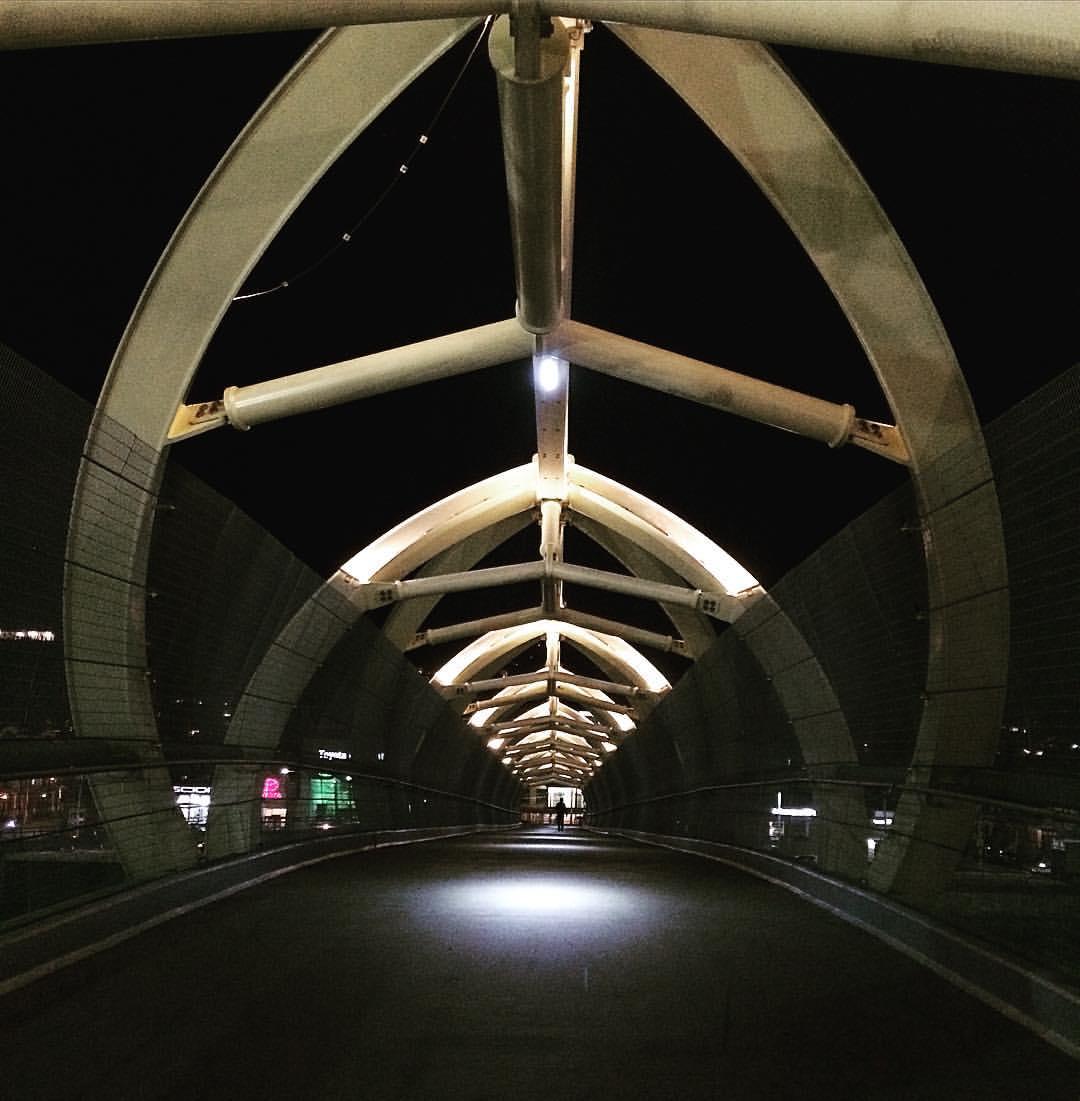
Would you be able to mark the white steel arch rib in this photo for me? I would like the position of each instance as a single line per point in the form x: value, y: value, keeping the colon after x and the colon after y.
x: 743, y: 94
x: 277, y: 684
x: 486, y: 652
x: 329, y: 97
x: 446, y: 523
x: 688, y: 552
x: 533, y: 728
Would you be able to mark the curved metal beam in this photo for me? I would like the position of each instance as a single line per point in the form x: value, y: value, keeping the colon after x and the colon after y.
x: 332, y: 94
x: 339, y: 86
x: 485, y: 654
x: 494, y: 506
x: 405, y: 620
x: 312, y: 116
x: 679, y: 545
x: 440, y: 526
x: 694, y: 629
x: 742, y: 93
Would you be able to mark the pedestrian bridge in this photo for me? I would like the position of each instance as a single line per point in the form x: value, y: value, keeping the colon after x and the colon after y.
x: 889, y: 731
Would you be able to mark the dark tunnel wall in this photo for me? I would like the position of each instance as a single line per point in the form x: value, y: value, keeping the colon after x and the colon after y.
x: 224, y: 590
x: 220, y: 590
x: 42, y: 428
x: 860, y: 603
x: 1035, y: 450
x: 722, y: 723
x: 368, y: 700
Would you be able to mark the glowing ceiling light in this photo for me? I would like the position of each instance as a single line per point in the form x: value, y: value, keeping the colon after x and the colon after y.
x: 548, y: 374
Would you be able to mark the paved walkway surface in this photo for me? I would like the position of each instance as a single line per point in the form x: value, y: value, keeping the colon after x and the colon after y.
x: 519, y: 966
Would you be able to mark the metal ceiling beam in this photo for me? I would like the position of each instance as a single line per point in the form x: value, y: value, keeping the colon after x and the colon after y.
x: 526, y: 724
x: 609, y: 686
x: 1022, y: 37
x: 377, y: 594
x: 510, y: 727
x: 1041, y: 38
x: 459, y: 353
x: 599, y: 731
x: 559, y: 750
x: 669, y: 538
x: 535, y: 767
x: 407, y: 618
x: 26, y: 24
x: 474, y: 628
x: 716, y: 604
x: 404, y: 549
x: 487, y: 655
x: 549, y: 756
x: 564, y: 676
x: 636, y: 635
x: 526, y: 695
x: 530, y: 54
x: 490, y: 684
x: 551, y: 376
x: 567, y: 694
x: 693, y: 627
x: 725, y: 390
x: 575, y: 755
x: 592, y: 703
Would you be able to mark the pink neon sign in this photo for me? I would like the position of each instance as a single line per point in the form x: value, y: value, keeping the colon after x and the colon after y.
x: 272, y: 788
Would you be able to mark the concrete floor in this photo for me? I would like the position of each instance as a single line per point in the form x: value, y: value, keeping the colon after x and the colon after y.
x: 527, y: 965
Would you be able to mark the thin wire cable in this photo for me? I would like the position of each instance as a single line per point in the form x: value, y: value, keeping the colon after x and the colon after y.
x: 403, y: 169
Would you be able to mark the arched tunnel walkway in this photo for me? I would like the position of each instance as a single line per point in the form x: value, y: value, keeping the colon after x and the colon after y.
x: 744, y: 96
x: 894, y: 719
x: 531, y: 964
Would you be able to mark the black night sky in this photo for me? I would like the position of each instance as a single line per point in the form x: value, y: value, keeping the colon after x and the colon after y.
x: 105, y: 147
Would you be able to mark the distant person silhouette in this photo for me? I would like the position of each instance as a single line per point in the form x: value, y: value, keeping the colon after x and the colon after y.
x: 560, y: 814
